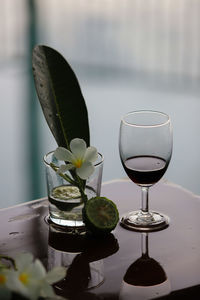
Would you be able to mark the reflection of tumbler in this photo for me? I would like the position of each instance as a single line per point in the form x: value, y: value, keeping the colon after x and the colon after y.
x: 81, y: 274
x: 71, y: 251
x: 82, y: 255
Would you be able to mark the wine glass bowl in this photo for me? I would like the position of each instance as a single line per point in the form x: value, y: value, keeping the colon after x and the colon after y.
x: 145, y: 146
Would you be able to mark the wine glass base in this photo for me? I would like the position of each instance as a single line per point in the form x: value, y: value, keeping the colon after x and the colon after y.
x: 152, y: 221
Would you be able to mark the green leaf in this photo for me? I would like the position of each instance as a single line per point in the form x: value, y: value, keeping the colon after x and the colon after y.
x: 60, y: 96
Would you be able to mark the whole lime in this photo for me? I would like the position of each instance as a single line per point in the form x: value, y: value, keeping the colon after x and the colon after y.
x: 100, y: 215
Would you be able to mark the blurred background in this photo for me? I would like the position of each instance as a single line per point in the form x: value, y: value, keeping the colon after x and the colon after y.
x: 127, y: 55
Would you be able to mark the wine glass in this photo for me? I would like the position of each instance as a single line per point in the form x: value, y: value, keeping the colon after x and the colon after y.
x: 145, y: 146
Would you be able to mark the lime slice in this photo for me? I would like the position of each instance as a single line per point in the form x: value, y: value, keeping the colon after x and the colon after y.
x: 66, y: 192
x: 100, y: 215
x: 65, y: 197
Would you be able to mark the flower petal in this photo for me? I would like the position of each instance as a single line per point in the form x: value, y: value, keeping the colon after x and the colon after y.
x: 32, y: 290
x: 37, y: 270
x: 91, y: 154
x: 85, y: 170
x: 55, y: 275
x: 47, y: 291
x: 78, y: 147
x: 23, y: 260
x: 64, y: 168
x: 63, y: 154
x: 15, y: 285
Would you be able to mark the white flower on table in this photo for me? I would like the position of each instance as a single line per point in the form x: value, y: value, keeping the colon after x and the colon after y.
x: 79, y: 158
x: 31, y: 279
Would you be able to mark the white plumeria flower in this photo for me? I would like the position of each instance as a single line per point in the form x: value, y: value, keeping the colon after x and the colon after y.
x: 31, y: 280
x: 80, y: 157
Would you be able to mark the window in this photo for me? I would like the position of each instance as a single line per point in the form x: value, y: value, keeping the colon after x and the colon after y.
x: 127, y: 55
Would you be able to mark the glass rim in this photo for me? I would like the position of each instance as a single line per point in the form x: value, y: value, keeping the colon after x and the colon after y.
x: 51, y: 152
x: 158, y: 124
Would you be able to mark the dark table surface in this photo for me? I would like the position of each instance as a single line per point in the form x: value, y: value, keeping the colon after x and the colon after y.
x: 127, y: 265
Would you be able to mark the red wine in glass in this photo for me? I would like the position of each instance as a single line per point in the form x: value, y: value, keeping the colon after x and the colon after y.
x: 145, y: 170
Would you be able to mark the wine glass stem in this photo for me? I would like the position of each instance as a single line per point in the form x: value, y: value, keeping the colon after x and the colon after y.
x: 145, y: 200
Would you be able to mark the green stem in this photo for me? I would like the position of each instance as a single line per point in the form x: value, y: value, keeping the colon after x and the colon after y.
x: 83, y: 196
x: 78, y: 182
x: 64, y: 176
x: 81, y: 186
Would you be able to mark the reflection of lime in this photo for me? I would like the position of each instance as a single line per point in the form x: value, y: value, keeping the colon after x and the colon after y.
x: 100, y: 215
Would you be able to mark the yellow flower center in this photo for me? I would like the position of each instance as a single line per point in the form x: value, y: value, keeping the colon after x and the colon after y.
x: 2, y: 279
x: 23, y: 277
x: 78, y: 163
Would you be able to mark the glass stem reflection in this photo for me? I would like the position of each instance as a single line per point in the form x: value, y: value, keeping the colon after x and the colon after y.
x: 145, y: 245
x: 145, y: 200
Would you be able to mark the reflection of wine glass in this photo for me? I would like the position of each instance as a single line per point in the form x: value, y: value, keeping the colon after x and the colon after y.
x: 145, y: 278
x: 145, y: 145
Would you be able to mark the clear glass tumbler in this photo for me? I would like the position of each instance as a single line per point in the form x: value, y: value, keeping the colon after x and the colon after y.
x: 65, y: 202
